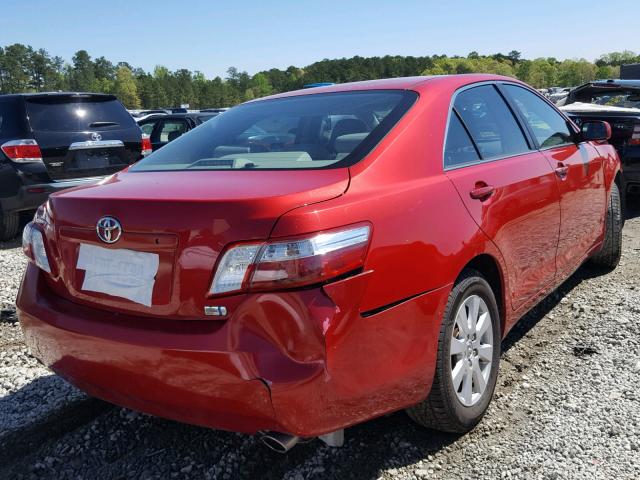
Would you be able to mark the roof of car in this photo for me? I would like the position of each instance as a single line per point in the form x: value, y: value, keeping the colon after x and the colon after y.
x: 401, y: 83
x: 611, y: 83
x: 58, y: 94
x: 179, y: 115
x: 616, y: 82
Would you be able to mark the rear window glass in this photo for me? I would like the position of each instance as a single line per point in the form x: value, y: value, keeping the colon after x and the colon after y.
x: 11, y: 122
x: 459, y: 149
x: 60, y: 114
x: 490, y: 122
x: 307, y: 131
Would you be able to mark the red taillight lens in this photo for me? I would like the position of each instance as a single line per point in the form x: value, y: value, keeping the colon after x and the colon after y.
x: 146, y: 145
x: 305, y: 262
x: 292, y: 263
x: 23, y: 151
x: 635, y: 137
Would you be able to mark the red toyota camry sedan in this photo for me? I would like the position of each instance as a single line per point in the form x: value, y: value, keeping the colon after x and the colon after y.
x: 312, y: 260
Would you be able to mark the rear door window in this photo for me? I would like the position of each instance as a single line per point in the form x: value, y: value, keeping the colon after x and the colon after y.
x: 490, y: 122
x: 169, y: 130
x: 76, y: 113
x: 459, y: 148
x: 548, y: 126
x: 147, y: 127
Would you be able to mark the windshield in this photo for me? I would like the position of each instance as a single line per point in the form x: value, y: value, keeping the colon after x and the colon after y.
x: 308, y: 131
x: 626, y: 99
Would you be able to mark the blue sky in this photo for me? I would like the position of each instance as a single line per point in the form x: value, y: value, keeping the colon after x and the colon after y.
x: 254, y: 35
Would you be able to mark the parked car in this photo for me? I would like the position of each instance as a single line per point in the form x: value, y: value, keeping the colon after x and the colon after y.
x: 373, y: 263
x: 214, y: 110
x: 53, y: 141
x: 319, y: 84
x: 162, y: 129
x: 617, y: 102
x: 141, y: 117
x: 143, y: 113
x: 557, y: 94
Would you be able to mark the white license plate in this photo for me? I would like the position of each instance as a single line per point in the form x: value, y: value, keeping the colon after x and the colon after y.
x: 118, y: 272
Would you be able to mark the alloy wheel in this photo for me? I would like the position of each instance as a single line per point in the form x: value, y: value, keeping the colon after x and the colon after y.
x: 471, y: 350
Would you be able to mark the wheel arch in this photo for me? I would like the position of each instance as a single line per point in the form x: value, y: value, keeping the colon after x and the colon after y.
x: 622, y: 188
x: 489, y: 267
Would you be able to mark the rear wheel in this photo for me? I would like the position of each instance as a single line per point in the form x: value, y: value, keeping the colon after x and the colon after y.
x: 9, y: 225
x: 467, y: 361
x: 611, y: 251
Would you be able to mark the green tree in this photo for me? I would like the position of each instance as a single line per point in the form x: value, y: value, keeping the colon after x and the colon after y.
x: 15, y: 69
x: 575, y: 72
x: 125, y: 88
x: 448, y: 66
x: 514, y: 56
x: 260, y: 85
x: 618, y: 58
x: 542, y: 73
x: 82, y: 74
x: 23, y: 69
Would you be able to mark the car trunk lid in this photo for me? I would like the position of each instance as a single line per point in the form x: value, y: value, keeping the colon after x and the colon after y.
x: 184, y: 219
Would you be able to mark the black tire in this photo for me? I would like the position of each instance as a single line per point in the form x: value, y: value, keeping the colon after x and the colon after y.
x: 442, y: 410
x: 609, y: 255
x: 9, y: 225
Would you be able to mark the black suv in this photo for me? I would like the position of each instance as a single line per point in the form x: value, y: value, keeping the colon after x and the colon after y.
x: 53, y: 141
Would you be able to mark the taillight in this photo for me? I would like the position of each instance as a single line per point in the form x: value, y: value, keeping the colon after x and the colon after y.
x: 43, y: 214
x: 23, y: 151
x: 33, y: 246
x: 292, y: 263
x: 146, y: 145
x: 635, y: 137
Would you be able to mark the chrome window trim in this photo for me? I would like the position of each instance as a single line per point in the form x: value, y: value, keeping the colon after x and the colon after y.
x: 559, y: 146
x: 488, y: 160
x: 89, y: 144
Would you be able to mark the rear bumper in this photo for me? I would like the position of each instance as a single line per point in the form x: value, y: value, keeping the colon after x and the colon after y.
x: 304, y: 363
x: 30, y: 197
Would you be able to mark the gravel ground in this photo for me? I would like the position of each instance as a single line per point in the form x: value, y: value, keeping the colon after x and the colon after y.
x: 567, y: 405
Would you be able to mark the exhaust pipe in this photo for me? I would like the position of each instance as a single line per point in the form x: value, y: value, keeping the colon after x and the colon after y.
x: 279, y: 442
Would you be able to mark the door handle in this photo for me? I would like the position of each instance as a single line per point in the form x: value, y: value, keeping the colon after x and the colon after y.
x: 561, y: 171
x: 482, y: 192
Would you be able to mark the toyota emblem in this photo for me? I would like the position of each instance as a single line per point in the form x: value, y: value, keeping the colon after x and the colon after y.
x: 96, y: 137
x: 108, y: 229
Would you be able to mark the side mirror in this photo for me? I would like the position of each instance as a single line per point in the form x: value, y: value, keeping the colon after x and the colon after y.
x: 595, y: 131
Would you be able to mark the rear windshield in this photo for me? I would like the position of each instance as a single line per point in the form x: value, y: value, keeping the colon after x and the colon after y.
x: 11, y: 121
x: 308, y: 131
x: 76, y: 114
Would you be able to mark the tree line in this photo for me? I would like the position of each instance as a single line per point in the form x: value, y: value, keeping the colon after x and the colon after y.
x: 25, y: 69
